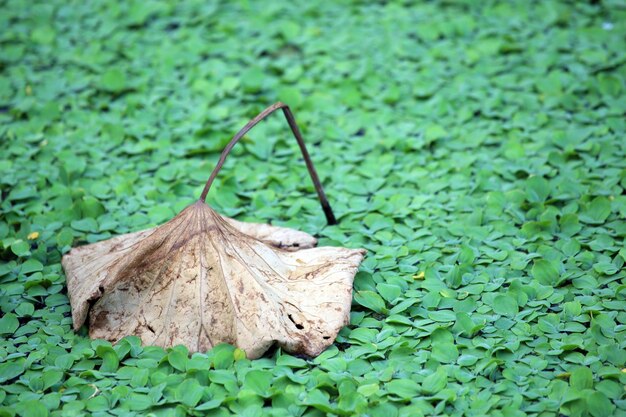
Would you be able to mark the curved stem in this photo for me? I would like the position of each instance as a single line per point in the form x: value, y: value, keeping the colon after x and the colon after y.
x: 330, y: 217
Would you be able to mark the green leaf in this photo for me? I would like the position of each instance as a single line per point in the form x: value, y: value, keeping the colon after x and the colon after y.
x: 444, y: 350
x: 85, y: 225
x: 11, y: 369
x: 113, y: 80
x: 610, y: 85
x: 223, y: 356
x: 160, y: 214
x: 544, y: 272
x: 110, y: 362
x: 91, y: 207
x: 505, y: 305
x: 368, y: 390
x: 404, y: 388
x: 30, y: 266
x: 64, y: 362
x: 8, y: 324
x: 581, y: 378
x: 290, y: 95
x: 572, y: 308
x: 434, y: 132
x: 51, y: 377
x: 569, y: 224
x: 600, y: 406
x: 597, y: 211
x: 606, y: 268
x: 20, y: 248
x: 98, y: 403
x: 43, y: 34
x: 189, y: 392
x: 466, y: 325
x: 370, y: 300
x: 32, y: 408
x: 318, y: 399
x: 436, y: 381
x: 65, y: 237
x: 178, y: 360
x: 290, y: 361
x: 210, y: 405
x: 442, y: 316
x: 258, y: 381
x: 239, y: 354
x: 537, y: 189
x: 139, y: 402
x: 389, y: 292
x: 24, y: 310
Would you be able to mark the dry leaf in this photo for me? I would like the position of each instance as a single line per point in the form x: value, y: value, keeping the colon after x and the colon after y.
x: 202, y: 279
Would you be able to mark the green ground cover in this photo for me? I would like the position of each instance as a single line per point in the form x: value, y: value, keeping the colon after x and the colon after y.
x: 477, y: 150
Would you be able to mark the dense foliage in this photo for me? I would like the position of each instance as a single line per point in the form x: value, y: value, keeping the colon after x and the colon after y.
x: 476, y: 150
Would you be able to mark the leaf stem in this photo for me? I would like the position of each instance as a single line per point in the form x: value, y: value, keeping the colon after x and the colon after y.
x: 330, y: 217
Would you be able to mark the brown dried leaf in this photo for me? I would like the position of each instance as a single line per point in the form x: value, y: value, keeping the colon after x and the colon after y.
x: 202, y: 279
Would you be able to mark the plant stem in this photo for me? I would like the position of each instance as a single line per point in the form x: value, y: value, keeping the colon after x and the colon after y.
x: 330, y: 217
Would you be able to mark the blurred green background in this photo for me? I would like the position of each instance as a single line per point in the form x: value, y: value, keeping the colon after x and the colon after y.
x: 476, y: 149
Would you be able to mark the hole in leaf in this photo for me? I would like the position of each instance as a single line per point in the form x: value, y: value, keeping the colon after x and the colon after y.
x: 298, y: 325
